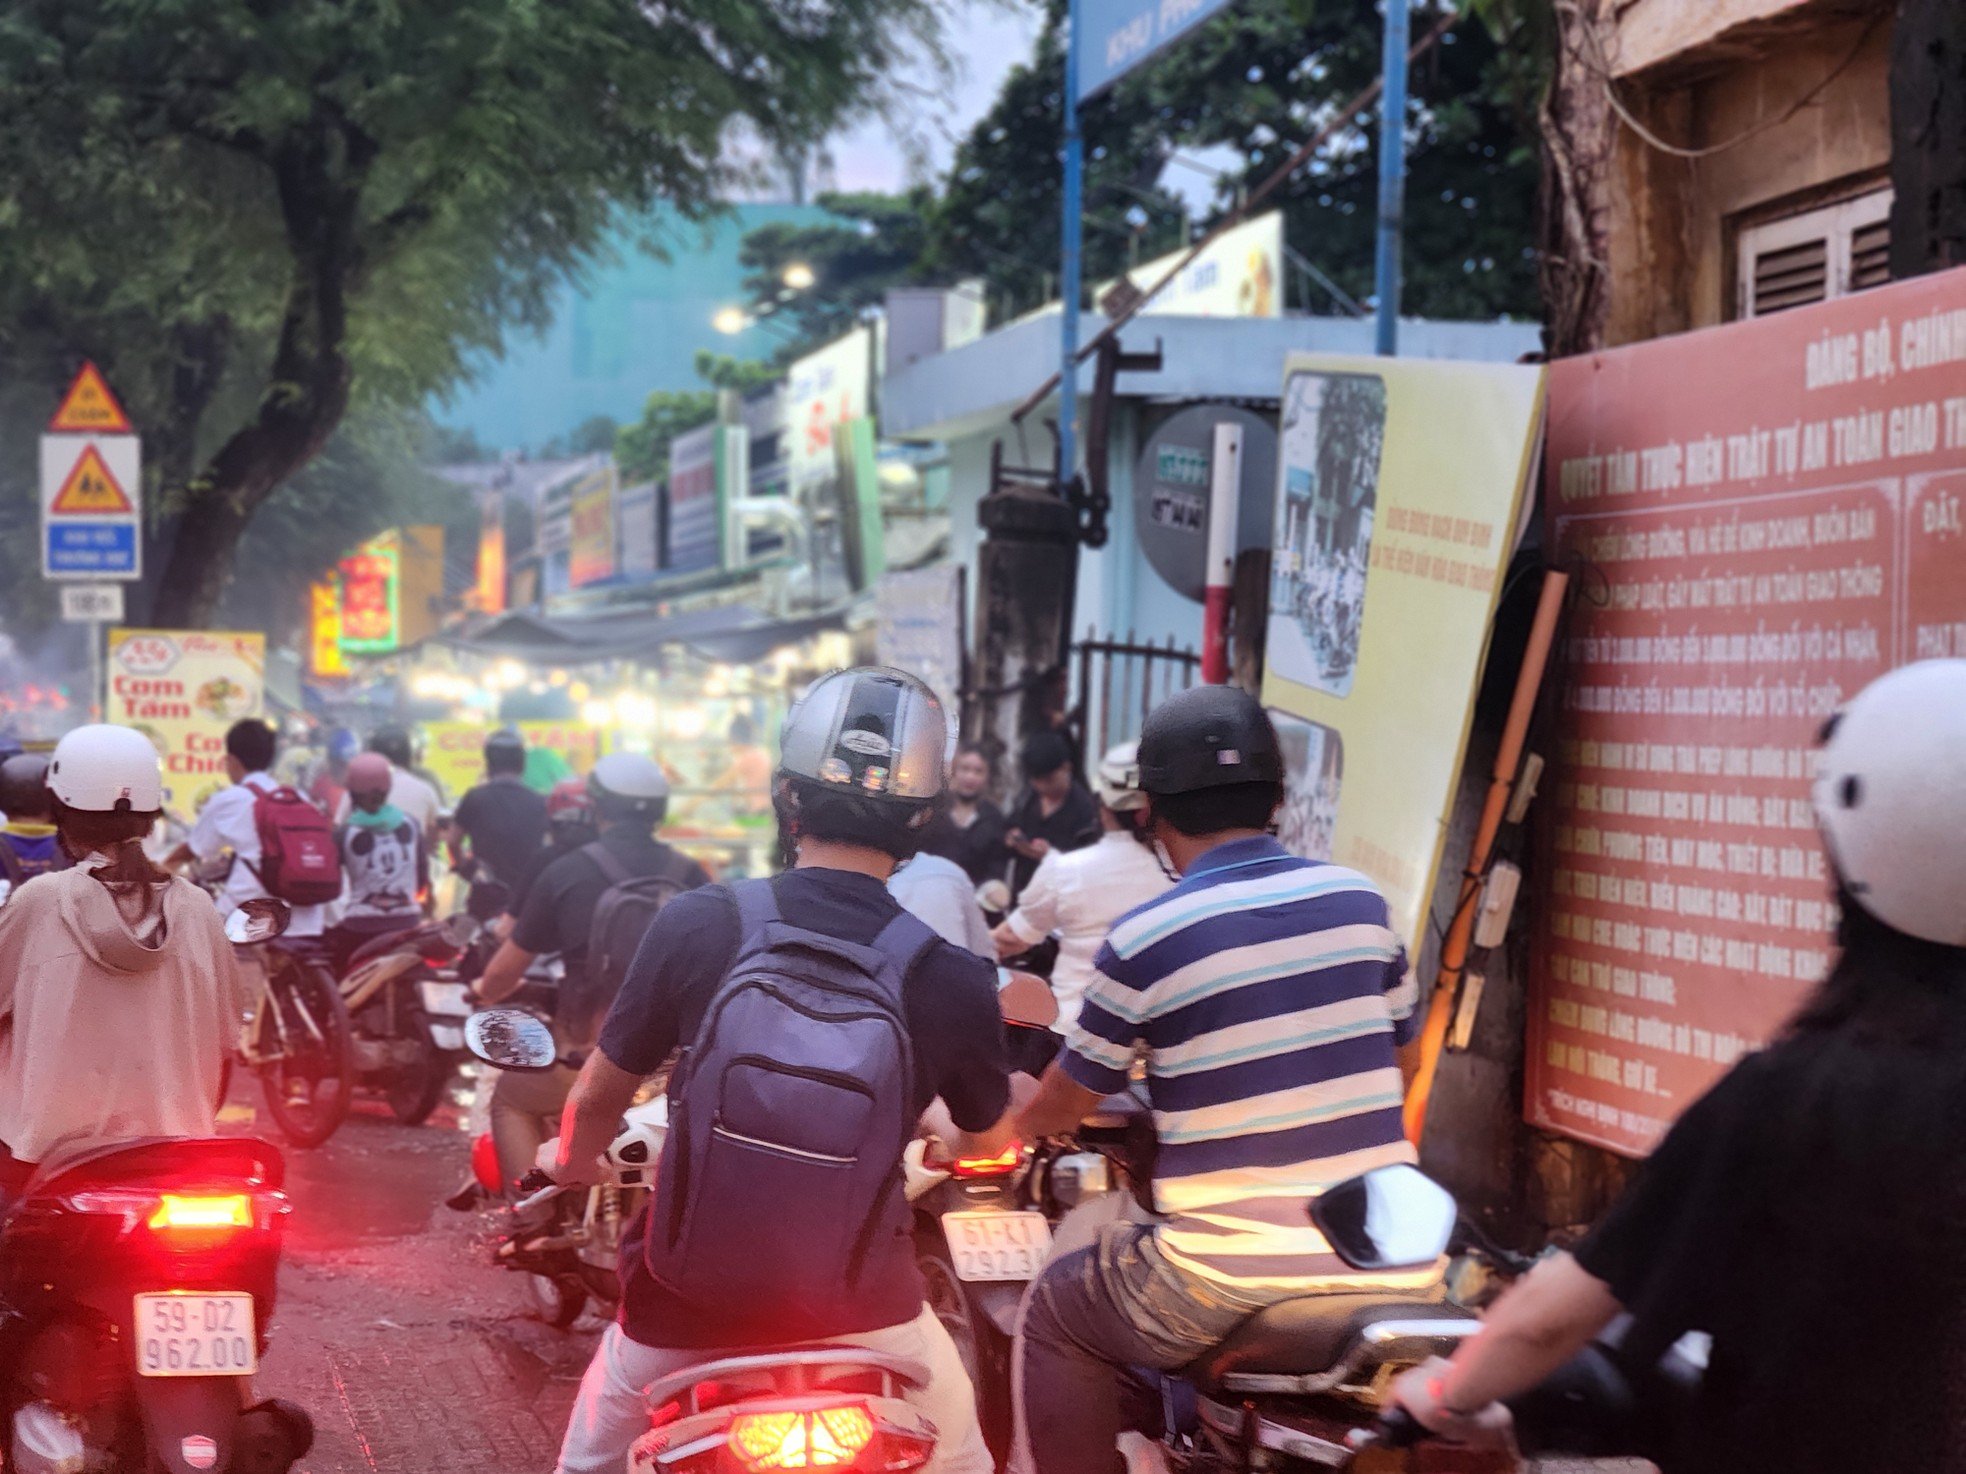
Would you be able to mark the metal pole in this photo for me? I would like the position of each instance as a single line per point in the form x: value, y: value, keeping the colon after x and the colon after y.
x: 98, y: 698
x: 1069, y: 265
x: 1392, y: 174
x: 1224, y: 503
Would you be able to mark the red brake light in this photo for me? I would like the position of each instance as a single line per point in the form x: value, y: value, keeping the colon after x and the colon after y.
x: 1001, y: 1165
x: 828, y: 1438
x: 234, y: 1210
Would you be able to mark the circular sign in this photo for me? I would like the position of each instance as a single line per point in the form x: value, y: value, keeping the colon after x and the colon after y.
x: 1170, y: 491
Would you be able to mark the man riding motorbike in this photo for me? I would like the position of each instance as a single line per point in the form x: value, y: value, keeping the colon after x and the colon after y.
x: 1268, y: 997
x: 501, y: 820
x: 1806, y: 1211
x: 779, y: 1216
x: 119, y: 998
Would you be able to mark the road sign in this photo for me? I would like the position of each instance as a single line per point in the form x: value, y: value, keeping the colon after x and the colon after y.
x: 91, y: 506
x: 1115, y: 36
x: 91, y: 603
x: 89, y: 408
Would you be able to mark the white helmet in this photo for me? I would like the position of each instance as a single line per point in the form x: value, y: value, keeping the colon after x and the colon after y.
x: 1117, y: 781
x: 874, y: 731
x: 102, y: 769
x: 627, y: 781
x: 1890, y: 799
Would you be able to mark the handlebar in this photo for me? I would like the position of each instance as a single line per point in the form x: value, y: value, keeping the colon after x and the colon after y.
x: 1392, y: 1429
x: 539, y: 1188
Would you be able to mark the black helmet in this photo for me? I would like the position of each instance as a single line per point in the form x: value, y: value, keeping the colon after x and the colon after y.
x: 1208, y: 737
x: 393, y: 743
x: 24, y: 785
x: 505, y: 746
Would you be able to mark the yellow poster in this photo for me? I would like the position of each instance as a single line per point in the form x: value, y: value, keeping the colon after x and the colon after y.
x: 182, y: 689
x: 1400, y: 485
x: 454, y: 752
x: 577, y: 744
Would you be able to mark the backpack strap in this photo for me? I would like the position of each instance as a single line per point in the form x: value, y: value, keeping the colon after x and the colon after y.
x: 903, y: 941
x: 757, y: 907
x: 608, y: 861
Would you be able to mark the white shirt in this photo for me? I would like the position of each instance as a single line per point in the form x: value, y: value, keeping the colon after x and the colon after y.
x: 226, y: 823
x: 1077, y: 895
x: 939, y: 891
x: 410, y: 794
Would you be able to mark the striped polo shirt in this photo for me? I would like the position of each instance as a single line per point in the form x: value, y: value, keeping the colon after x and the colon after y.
x: 1266, y: 995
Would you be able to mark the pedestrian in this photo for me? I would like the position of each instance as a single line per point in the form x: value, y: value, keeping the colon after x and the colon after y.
x: 29, y: 845
x: 937, y: 890
x: 970, y: 829
x: 1077, y: 895
x: 1056, y: 812
x: 1267, y: 998
x: 387, y: 863
x: 228, y: 826
x: 119, y: 997
x: 630, y: 798
x: 500, y: 824
x: 415, y: 796
x: 817, y: 1104
x: 1805, y: 1213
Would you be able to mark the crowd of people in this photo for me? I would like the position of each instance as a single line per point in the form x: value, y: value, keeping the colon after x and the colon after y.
x: 1264, y: 1001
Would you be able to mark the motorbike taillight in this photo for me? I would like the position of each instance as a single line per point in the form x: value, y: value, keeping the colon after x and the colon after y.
x: 1001, y: 1165
x: 818, y: 1438
x: 185, y: 1218
x: 227, y: 1210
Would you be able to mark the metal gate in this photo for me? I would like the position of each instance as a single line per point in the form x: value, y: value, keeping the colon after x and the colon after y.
x: 1117, y: 682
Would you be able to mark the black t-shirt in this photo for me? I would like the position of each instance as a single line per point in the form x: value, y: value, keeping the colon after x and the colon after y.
x: 949, y: 1001
x: 978, y: 848
x: 506, y: 823
x: 1073, y: 825
x: 559, y: 906
x: 1810, y: 1214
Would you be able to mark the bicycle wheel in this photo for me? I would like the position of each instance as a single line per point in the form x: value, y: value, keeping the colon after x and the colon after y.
x: 308, y: 1073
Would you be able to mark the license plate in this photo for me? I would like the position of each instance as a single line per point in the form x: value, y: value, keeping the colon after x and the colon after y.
x: 446, y: 1000
x: 997, y: 1246
x: 181, y: 1334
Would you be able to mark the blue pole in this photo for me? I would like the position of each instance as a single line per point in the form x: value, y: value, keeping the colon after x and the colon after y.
x: 1068, y: 275
x: 1392, y: 174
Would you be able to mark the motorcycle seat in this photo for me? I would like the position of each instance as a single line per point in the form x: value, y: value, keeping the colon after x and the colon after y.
x: 1312, y: 1334
x: 387, y: 941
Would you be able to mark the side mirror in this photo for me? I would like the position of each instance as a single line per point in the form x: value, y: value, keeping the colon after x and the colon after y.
x: 488, y: 898
x: 258, y: 920
x: 1389, y: 1218
x: 1024, y: 998
x: 511, y: 1039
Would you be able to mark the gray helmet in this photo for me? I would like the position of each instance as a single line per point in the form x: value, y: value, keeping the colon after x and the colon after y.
x: 1208, y: 737
x: 872, y: 731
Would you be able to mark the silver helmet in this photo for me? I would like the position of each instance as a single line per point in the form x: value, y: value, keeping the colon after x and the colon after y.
x: 873, y: 731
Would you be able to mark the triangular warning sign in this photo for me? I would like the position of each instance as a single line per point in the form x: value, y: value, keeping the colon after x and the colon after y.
x: 90, y: 491
x: 89, y: 406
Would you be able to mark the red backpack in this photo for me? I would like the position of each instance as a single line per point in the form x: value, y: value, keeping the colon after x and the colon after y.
x: 298, y: 859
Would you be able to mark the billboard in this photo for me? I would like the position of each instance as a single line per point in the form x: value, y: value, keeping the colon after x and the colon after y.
x: 370, y: 583
x: 1399, y: 483
x: 1768, y: 514
x: 1239, y: 275
x: 824, y: 391
x: 695, y: 541
x: 182, y: 689
x: 591, y: 548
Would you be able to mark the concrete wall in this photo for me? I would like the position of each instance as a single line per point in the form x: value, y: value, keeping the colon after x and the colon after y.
x: 1675, y: 220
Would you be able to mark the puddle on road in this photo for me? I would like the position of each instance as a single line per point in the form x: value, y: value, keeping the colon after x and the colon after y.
x: 375, y: 1179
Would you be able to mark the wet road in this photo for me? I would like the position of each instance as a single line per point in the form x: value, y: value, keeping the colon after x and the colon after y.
x: 393, y: 1330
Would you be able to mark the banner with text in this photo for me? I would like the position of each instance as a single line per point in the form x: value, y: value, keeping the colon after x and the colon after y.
x: 182, y: 689
x: 1769, y: 517
x: 1399, y: 485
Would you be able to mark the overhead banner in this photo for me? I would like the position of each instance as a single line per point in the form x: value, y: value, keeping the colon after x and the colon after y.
x: 1769, y: 514
x: 824, y: 391
x: 1399, y: 485
x: 1239, y: 275
x: 182, y: 689
x: 591, y: 553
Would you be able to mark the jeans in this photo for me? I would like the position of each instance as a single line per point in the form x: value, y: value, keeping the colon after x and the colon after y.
x: 525, y: 1115
x: 610, y: 1413
x: 1116, y: 1304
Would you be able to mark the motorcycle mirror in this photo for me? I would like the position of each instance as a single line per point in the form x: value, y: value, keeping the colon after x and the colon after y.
x: 258, y: 920
x: 511, y: 1039
x: 1390, y: 1218
x: 487, y: 899
x: 1026, y: 999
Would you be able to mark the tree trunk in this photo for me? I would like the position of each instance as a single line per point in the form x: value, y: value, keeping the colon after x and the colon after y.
x: 307, y: 392
x: 1580, y: 136
x: 1928, y: 137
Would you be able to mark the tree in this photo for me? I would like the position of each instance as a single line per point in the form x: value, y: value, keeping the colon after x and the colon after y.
x: 1928, y: 137
x: 875, y: 244
x: 724, y: 371
x: 258, y: 215
x: 641, y: 450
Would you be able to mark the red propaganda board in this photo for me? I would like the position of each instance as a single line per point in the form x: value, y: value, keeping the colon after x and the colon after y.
x: 1763, y: 517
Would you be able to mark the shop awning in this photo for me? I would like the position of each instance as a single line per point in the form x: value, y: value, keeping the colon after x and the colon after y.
x: 734, y: 633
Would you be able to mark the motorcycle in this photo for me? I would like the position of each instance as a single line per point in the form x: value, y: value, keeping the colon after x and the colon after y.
x: 408, y: 1007
x: 838, y: 1407
x: 573, y: 1257
x: 138, y: 1280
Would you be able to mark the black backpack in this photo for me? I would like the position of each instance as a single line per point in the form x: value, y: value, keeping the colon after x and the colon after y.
x: 622, y: 917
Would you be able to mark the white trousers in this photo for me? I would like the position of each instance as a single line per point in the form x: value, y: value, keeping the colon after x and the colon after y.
x: 611, y: 1412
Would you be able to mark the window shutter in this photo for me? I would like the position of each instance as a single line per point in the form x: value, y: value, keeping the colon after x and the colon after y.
x: 1814, y: 255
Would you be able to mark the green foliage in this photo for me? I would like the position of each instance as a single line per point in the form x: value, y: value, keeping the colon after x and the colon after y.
x: 641, y: 450
x: 874, y: 244
x: 724, y: 371
x: 259, y: 217
x: 591, y: 436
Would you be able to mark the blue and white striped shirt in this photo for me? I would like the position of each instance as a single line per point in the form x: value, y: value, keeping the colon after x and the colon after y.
x: 1267, y: 996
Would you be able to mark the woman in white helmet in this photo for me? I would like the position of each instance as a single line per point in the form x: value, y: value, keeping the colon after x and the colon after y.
x: 1809, y: 1213
x: 118, y: 994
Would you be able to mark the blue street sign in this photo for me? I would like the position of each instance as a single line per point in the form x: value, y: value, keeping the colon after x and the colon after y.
x: 104, y: 549
x: 1115, y: 36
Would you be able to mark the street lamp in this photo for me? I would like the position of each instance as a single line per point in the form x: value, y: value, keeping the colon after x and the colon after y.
x: 798, y: 276
x: 731, y: 320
